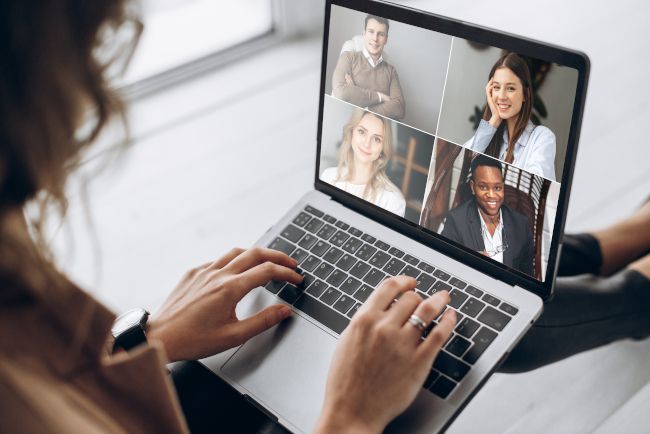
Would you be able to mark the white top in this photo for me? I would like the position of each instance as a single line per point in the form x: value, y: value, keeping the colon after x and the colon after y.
x: 493, y: 242
x: 534, y: 151
x: 390, y: 199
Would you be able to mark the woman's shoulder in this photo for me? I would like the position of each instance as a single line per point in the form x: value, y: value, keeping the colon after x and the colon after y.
x: 329, y: 174
x: 540, y: 132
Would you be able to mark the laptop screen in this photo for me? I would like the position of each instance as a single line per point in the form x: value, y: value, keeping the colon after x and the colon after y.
x: 463, y: 139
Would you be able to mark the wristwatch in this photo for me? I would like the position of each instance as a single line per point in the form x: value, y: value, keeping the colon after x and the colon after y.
x: 129, y: 329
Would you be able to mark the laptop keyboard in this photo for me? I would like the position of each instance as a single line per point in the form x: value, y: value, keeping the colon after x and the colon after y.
x: 342, y: 266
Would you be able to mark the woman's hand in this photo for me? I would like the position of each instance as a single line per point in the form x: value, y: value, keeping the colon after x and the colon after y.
x: 495, y: 119
x: 198, y: 319
x: 381, y: 360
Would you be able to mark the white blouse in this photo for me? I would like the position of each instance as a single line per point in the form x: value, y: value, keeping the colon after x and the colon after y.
x: 534, y: 151
x: 390, y: 199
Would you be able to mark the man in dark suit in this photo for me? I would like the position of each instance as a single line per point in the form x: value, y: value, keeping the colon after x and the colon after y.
x: 486, y: 225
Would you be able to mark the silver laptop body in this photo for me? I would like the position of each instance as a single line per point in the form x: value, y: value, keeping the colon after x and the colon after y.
x: 284, y: 370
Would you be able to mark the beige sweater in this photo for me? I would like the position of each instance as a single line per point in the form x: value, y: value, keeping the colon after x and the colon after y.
x: 367, y: 81
x: 56, y: 375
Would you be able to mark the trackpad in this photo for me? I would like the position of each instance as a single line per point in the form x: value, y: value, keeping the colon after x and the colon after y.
x: 285, y: 369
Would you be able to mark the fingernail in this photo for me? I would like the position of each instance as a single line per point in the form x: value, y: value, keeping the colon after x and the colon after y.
x: 284, y: 312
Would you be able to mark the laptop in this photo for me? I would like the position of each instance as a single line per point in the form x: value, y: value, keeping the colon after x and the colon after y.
x: 413, y: 176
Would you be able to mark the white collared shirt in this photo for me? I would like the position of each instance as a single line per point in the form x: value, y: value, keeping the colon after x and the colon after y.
x: 493, y: 242
x: 368, y: 57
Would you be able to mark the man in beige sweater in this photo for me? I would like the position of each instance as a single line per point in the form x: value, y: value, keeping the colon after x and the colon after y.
x: 365, y: 79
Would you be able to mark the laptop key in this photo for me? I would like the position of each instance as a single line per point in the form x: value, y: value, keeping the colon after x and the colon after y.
x: 379, y: 259
x: 360, y: 269
x: 281, y: 245
x: 382, y: 245
x: 307, y: 279
x: 472, y: 307
x: 373, y: 277
x: 510, y: 310
x: 394, y: 266
x: 363, y: 293
x: 424, y: 282
x: 410, y: 271
x: 441, y: 275
x: 354, y: 231
x: 307, y: 241
x: 440, y: 286
x: 493, y: 318
x: 467, y: 327
x: 326, y: 232
x: 323, y: 270
x: 292, y: 233
x: 457, y: 298
x: 442, y: 387
x: 320, y: 247
x: 336, y: 278
x: 312, y: 210
x: 396, y: 252
x: 317, y: 288
x: 310, y: 263
x: 346, y: 262
x: 365, y: 252
x: 352, y: 245
x: 290, y: 293
x: 321, y: 313
x: 411, y: 260
x: 482, y: 341
x: 457, y: 283
x: 314, y: 225
x: 458, y: 345
x: 339, y: 238
x: 275, y: 286
x: 344, y: 226
x: 350, y: 285
x: 426, y: 267
x: 491, y: 300
x: 471, y: 290
x: 301, y: 219
x: 329, y: 219
x: 333, y: 255
x: 354, y: 310
x: 433, y: 375
x: 451, y: 366
x: 299, y: 255
x: 344, y: 304
x: 330, y: 296
x: 368, y: 238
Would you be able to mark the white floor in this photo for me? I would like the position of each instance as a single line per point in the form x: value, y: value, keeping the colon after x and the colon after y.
x: 217, y: 160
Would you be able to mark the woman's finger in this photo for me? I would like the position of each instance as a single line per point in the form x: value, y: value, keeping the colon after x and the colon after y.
x: 400, y: 311
x: 258, y: 255
x: 261, y: 275
x: 225, y: 259
x: 438, y: 336
x: 427, y: 311
x: 388, y: 291
x: 245, y: 329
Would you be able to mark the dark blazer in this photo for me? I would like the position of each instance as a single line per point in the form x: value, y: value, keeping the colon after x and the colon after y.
x: 463, y: 225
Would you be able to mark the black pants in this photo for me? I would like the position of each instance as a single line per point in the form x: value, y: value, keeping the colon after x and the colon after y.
x: 586, y: 312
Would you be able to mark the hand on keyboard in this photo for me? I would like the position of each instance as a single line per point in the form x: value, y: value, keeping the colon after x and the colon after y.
x: 381, y: 359
x: 198, y: 319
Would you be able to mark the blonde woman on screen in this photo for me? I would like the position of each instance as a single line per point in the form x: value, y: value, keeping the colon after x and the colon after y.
x: 365, y: 150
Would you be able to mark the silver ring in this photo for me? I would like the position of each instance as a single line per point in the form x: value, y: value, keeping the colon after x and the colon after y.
x: 417, y: 322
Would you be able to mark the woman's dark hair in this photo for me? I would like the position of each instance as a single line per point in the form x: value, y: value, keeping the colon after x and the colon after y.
x: 519, y: 67
x: 51, y: 83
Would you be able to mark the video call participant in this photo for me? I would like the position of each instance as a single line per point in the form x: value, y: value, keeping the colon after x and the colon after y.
x: 516, y: 141
x: 365, y: 79
x: 366, y: 149
x: 486, y: 225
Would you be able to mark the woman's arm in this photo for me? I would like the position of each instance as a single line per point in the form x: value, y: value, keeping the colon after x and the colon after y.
x: 481, y: 139
x: 541, y: 156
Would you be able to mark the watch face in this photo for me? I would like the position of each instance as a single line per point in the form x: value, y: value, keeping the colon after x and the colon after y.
x: 127, y: 320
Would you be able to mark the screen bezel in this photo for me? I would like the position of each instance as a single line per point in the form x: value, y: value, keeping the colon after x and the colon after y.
x: 528, y: 47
